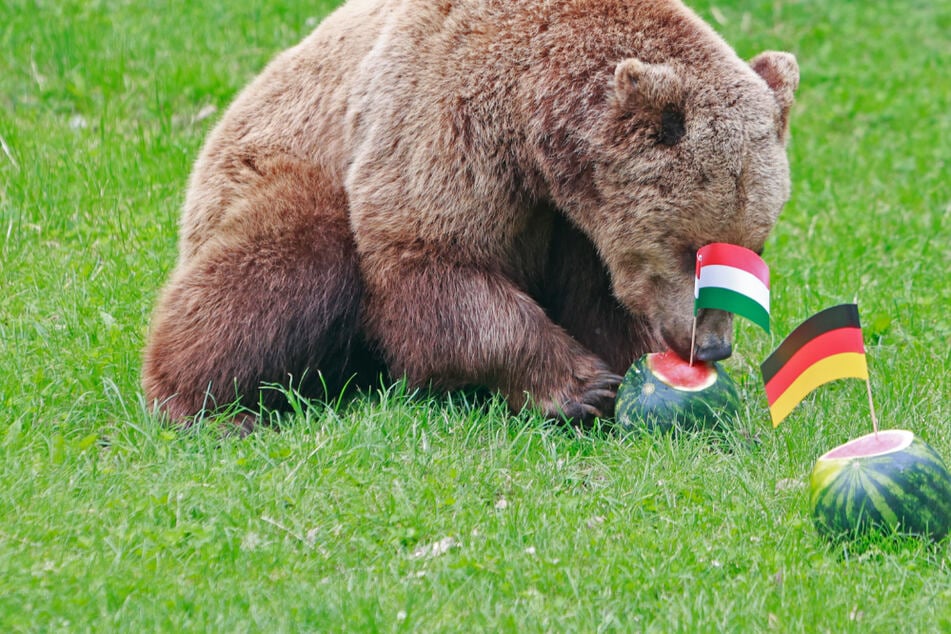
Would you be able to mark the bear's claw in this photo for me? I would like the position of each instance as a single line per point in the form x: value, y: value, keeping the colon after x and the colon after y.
x: 595, y: 401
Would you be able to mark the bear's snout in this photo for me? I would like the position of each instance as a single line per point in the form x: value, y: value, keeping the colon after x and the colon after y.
x: 709, y: 348
x: 712, y: 340
x: 714, y: 350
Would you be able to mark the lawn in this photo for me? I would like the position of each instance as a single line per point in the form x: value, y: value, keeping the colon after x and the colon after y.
x: 398, y: 511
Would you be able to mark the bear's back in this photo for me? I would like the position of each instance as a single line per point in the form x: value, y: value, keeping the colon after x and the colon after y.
x: 296, y: 106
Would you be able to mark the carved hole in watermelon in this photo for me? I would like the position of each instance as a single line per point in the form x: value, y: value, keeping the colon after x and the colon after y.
x: 885, y: 442
x: 678, y: 373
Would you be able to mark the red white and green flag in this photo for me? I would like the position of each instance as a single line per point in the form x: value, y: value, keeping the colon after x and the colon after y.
x: 825, y: 347
x: 734, y: 279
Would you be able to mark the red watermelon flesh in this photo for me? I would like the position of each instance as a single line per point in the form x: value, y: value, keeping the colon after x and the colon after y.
x: 676, y: 372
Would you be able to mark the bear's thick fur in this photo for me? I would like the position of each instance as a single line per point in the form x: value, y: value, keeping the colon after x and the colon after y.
x: 499, y: 193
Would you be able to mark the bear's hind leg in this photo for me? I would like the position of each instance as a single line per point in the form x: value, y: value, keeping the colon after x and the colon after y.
x: 273, y: 298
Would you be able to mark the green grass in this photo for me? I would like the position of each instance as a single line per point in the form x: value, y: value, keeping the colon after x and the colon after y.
x: 110, y: 522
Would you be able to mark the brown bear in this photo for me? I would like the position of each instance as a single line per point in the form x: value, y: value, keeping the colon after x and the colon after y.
x: 497, y: 193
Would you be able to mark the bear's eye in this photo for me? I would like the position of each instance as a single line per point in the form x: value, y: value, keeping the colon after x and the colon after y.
x: 672, y: 127
x: 688, y: 259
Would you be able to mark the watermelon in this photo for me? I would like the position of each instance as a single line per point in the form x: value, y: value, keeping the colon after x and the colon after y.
x: 891, y: 482
x: 662, y: 392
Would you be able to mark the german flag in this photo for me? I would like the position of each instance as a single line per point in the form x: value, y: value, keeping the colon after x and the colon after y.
x: 825, y: 347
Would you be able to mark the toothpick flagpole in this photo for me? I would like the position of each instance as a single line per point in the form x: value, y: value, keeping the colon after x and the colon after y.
x: 693, y: 337
x: 696, y: 281
x: 871, y: 406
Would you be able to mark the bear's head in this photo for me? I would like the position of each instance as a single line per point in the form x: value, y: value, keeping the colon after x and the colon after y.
x: 684, y: 157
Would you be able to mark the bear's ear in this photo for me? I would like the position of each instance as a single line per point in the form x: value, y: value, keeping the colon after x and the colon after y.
x: 653, y: 86
x: 781, y: 72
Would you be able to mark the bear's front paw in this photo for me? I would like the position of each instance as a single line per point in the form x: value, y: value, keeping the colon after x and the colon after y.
x: 591, y: 397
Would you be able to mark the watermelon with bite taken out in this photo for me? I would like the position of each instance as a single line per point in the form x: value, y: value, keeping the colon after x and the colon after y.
x: 662, y: 392
x: 891, y: 481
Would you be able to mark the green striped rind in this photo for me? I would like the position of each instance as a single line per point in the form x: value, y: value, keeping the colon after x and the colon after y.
x: 907, y: 491
x: 647, y: 403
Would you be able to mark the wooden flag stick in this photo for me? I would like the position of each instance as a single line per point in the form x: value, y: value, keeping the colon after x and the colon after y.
x: 696, y: 281
x: 871, y: 406
x: 693, y: 337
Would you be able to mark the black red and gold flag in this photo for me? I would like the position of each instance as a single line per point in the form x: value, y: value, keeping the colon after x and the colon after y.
x: 825, y: 347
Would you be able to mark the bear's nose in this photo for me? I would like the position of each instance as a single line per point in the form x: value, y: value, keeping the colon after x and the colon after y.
x: 714, y: 350
x: 714, y: 336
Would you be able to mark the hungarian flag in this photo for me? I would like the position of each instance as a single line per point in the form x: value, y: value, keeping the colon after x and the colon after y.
x: 825, y: 347
x: 735, y: 279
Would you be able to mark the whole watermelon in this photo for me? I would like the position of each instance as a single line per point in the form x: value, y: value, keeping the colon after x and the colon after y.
x: 889, y: 481
x: 662, y: 392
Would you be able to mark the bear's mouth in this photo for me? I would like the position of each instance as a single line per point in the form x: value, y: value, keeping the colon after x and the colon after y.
x: 680, y: 345
x: 710, y: 349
